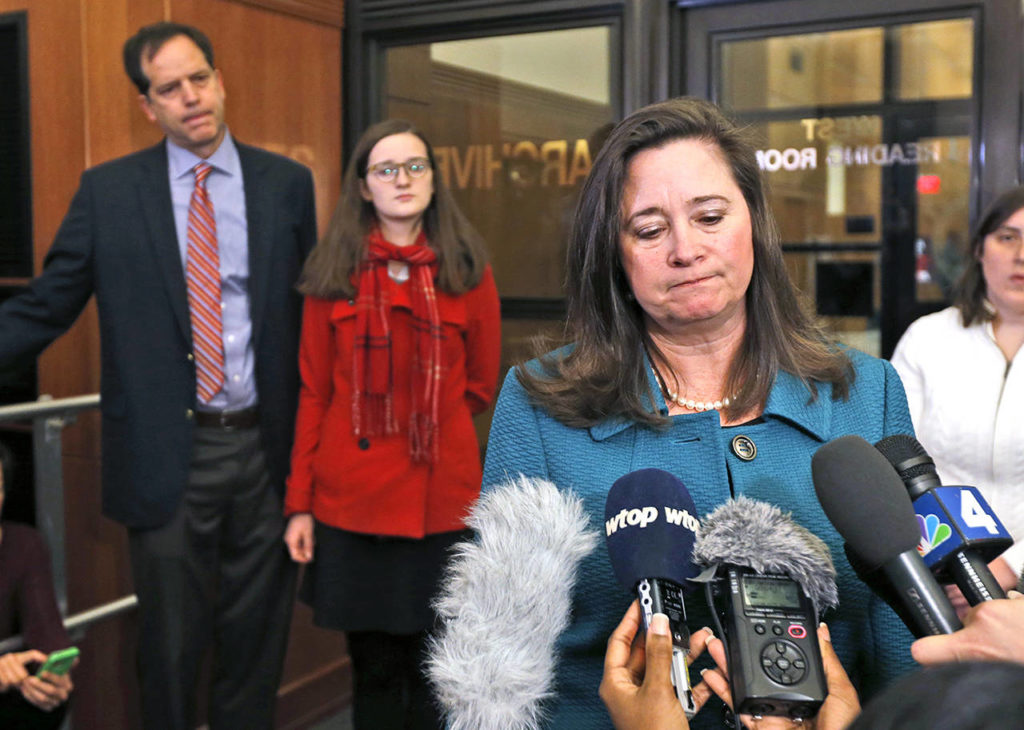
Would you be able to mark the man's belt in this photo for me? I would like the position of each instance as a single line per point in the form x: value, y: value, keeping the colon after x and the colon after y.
x: 229, y: 420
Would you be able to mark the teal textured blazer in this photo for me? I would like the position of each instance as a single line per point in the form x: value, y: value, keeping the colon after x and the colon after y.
x: 871, y: 641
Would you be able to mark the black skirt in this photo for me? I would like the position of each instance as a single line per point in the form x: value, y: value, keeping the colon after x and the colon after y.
x: 360, y: 582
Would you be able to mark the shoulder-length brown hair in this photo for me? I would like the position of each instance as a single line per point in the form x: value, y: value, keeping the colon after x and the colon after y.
x: 604, y: 374
x: 971, y: 289
x: 329, y: 270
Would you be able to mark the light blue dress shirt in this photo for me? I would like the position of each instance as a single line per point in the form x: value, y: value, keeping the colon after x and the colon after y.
x: 227, y: 193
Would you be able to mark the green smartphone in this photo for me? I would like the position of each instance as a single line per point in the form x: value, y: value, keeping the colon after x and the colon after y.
x: 59, y: 662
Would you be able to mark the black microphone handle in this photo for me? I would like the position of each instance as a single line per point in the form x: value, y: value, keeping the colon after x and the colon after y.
x: 921, y: 595
x: 971, y: 574
x: 879, y: 584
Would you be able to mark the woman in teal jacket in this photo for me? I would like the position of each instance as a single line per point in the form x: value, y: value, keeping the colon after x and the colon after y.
x: 692, y: 354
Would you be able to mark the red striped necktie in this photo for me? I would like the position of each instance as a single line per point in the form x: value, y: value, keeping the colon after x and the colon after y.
x: 202, y: 273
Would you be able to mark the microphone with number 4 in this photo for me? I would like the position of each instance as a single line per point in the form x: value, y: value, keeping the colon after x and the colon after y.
x: 650, y: 528
x: 866, y: 502
x: 959, y: 533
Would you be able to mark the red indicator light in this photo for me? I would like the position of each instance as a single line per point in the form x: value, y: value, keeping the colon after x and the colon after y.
x: 929, y: 184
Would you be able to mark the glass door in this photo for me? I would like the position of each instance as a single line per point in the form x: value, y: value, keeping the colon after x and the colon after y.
x: 515, y: 120
x: 867, y: 137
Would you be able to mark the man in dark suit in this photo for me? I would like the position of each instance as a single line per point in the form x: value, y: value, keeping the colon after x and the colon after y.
x: 192, y: 249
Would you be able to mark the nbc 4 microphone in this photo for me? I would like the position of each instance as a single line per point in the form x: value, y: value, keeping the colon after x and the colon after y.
x: 959, y: 533
x: 866, y: 502
x: 650, y: 527
x: 767, y: 580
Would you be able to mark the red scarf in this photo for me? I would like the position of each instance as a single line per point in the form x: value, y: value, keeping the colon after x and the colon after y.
x: 373, y: 368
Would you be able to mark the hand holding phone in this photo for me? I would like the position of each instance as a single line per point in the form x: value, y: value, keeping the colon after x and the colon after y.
x: 59, y: 662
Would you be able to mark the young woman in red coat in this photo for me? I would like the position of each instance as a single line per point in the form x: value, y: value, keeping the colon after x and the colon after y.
x: 400, y: 348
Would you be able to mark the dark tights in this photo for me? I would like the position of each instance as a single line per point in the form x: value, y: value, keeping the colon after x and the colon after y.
x: 391, y: 691
x: 16, y: 713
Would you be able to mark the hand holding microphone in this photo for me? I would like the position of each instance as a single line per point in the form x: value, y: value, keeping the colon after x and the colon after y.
x: 636, y: 687
x: 993, y: 631
x: 637, y: 683
x: 650, y: 529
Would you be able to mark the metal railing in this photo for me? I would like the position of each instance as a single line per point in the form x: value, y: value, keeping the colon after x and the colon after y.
x: 49, y: 418
x: 79, y: 622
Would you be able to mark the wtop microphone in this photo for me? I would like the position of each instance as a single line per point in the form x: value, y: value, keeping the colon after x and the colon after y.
x: 771, y: 578
x: 959, y: 532
x: 650, y: 526
x: 866, y: 502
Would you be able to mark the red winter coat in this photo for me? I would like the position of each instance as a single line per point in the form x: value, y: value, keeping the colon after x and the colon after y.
x: 370, y: 485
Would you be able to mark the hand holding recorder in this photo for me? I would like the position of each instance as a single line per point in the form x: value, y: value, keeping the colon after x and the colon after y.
x: 840, y: 708
x: 768, y: 579
x: 637, y: 687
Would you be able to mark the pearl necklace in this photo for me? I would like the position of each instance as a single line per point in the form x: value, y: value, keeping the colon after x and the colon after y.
x: 699, y: 405
x: 688, y: 403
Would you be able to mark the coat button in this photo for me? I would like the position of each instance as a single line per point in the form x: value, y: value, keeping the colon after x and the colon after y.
x: 351, y: 302
x: 189, y: 414
x: 744, y: 448
x: 364, y: 443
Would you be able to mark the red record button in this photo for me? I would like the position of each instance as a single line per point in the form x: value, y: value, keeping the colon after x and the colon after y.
x: 797, y: 632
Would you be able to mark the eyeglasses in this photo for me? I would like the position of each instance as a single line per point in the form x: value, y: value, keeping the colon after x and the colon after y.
x: 388, y: 171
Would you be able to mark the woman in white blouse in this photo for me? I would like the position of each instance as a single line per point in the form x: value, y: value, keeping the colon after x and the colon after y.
x: 963, y: 380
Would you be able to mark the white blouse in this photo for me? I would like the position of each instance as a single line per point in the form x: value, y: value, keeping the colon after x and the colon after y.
x: 967, y: 404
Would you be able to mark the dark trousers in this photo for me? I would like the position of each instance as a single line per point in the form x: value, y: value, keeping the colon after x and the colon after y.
x: 16, y: 713
x: 390, y: 689
x: 217, y: 574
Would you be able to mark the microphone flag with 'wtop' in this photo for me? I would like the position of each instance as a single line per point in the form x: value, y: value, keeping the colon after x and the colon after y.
x: 768, y: 581
x: 865, y: 500
x: 650, y: 528
x: 960, y: 534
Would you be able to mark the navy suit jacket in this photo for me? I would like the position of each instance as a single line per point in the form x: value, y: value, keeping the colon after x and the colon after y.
x: 118, y: 242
